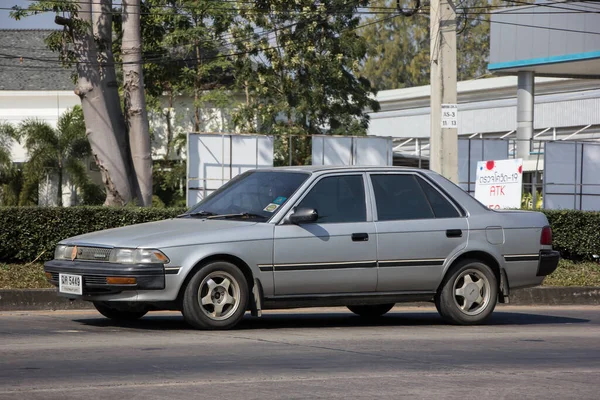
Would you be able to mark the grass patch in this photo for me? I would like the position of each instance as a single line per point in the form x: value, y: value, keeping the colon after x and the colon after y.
x: 568, y: 273
x: 23, y: 276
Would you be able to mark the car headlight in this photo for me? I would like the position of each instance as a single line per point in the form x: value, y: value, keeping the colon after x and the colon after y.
x: 138, y: 256
x: 63, y: 252
x: 119, y: 256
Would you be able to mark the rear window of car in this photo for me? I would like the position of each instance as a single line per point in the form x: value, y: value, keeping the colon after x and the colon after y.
x: 406, y: 197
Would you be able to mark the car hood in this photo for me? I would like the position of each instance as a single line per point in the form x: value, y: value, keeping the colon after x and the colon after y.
x: 166, y: 233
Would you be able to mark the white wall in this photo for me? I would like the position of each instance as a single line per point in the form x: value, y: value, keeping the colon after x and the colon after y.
x: 489, y: 105
x: 17, y: 106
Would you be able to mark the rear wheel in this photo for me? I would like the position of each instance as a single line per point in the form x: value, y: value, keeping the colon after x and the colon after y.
x: 468, y: 294
x: 371, y: 311
x: 119, y: 314
x: 216, y: 297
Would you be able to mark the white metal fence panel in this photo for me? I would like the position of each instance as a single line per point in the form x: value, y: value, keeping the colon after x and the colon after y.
x: 571, y: 180
x: 352, y: 150
x: 213, y: 159
x: 470, y: 152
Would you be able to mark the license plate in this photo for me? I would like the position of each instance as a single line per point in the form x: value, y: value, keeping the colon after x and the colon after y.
x: 70, y: 284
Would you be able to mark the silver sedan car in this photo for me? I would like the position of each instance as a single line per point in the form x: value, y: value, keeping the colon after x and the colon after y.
x: 361, y: 237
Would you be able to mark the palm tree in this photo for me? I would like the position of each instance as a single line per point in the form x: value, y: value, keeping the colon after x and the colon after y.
x: 57, y: 151
x: 6, y: 136
x: 8, y: 173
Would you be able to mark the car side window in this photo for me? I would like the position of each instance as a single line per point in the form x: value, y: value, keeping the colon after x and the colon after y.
x: 400, y: 197
x: 442, y: 208
x: 338, y: 199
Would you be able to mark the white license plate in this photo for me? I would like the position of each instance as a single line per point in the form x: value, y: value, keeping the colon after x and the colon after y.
x: 70, y: 284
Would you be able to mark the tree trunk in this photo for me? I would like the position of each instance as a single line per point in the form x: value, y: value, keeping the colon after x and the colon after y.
x: 136, y: 114
x: 197, y: 88
x: 99, y: 130
x: 59, y: 197
x: 168, y: 116
x: 102, y: 15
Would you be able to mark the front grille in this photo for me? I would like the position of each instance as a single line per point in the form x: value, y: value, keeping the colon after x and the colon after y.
x: 93, y: 254
x: 87, y: 279
x: 94, y: 280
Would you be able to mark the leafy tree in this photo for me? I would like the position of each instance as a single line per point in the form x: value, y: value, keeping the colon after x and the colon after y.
x: 61, y: 150
x: 85, y: 42
x: 6, y: 138
x: 398, y: 51
x: 303, y: 76
x: 198, y: 36
x: 9, y: 175
x: 298, y: 67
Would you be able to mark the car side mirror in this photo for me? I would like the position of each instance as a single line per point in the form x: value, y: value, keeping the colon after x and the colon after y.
x: 304, y: 215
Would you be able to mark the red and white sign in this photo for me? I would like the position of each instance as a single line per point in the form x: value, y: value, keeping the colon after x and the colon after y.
x: 500, y: 183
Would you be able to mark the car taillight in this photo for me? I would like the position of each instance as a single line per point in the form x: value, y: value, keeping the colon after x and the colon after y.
x: 546, y: 239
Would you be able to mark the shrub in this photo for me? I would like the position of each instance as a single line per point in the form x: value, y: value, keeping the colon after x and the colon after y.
x: 575, y: 233
x: 27, y: 233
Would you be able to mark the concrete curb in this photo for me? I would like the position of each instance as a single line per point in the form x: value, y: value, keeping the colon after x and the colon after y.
x: 47, y: 299
x: 38, y: 299
x: 556, y: 296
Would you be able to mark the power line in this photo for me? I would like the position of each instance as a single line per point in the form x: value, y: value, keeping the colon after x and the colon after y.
x: 222, y: 38
x: 559, y: 5
x: 167, y: 61
x: 217, y: 6
x: 534, y: 26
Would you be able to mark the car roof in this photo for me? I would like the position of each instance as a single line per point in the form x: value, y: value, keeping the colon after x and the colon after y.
x: 340, y: 168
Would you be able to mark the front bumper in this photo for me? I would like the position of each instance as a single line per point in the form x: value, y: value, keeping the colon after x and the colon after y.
x: 147, y: 276
x: 548, y: 262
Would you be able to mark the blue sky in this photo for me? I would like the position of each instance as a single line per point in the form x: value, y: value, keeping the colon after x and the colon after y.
x: 43, y: 21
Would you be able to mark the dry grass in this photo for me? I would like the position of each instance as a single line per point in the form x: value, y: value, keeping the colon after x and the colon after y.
x: 569, y: 273
x: 22, y: 276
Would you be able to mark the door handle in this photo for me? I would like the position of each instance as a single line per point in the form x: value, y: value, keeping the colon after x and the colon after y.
x: 451, y: 233
x: 360, y: 237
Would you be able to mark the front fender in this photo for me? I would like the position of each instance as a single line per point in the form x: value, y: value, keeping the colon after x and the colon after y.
x: 252, y: 252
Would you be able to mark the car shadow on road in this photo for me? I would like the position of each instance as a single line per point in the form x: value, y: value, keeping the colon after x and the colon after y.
x: 281, y: 320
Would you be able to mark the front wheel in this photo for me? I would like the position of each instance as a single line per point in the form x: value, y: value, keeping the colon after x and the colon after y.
x: 216, y: 297
x: 119, y: 314
x: 468, y: 294
x: 371, y: 311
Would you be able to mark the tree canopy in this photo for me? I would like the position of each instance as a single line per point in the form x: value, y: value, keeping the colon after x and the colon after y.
x: 398, y: 48
x: 54, y: 151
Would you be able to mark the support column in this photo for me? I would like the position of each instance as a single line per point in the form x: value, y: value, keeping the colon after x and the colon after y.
x: 443, y: 153
x: 525, y: 104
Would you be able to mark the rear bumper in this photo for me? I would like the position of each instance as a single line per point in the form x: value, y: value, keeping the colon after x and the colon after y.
x: 147, y: 276
x: 548, y: 262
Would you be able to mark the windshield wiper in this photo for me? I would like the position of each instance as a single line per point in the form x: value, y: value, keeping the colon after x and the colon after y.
x: 198, y: 214
x: 244, y: 215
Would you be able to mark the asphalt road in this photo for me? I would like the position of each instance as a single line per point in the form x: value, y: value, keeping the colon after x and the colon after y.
x: 524, y: 352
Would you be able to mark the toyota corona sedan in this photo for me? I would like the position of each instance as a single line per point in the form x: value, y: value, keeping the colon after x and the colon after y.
x: 361, y: 237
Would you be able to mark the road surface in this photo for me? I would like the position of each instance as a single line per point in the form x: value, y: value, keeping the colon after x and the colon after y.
x: 524, y: 352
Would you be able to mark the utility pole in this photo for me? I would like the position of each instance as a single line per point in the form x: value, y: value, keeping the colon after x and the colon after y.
x: 444, y: 140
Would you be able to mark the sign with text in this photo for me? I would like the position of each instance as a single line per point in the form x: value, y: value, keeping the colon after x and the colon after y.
x: 449, y: 116
x: 500, y: 183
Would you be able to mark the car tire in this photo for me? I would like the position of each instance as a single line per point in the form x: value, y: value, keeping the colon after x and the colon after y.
x: 371, y: 311
x: 216, y: 297
x: 119, y: 314
x: 468, y: 293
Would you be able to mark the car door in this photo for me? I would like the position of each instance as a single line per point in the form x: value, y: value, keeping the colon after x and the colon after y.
x: 418, y: 229
x: 335, y: 254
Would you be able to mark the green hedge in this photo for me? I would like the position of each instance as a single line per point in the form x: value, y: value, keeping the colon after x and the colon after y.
x: 27, y: 233
x: 576, y: 234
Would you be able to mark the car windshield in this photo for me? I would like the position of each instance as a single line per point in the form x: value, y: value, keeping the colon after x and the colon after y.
x: 251, y: 195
